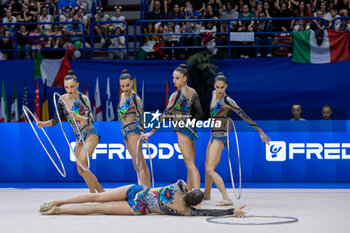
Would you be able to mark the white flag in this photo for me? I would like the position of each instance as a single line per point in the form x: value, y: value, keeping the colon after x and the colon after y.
x: 14, y: 105
x: 97, y: 104
x: 109, y: 105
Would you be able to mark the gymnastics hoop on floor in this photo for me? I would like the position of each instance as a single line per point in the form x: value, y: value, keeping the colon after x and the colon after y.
x: 288, y: 219
x: 137, y: 160
x: 26, y: 112
x: 65, y: 135
x: 229, y: 159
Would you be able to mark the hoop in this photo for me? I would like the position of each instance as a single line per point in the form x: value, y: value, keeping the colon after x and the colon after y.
x: 26, y: 111
x: 65, y: 135
x: 288, y: 219
x: 137, y: 161
x: 229, y: 159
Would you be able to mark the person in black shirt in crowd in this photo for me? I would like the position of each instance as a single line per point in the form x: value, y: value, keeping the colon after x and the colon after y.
x: 283, y: 25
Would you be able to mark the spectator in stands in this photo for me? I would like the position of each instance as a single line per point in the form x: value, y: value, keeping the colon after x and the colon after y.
x: 82, y: 16
x: 151, y: 41
x: 118, y: 17
x: 190, y: 40
x: 66, y: 16
x: 16, y: 6
x: 296, y: 112
x: 325, y: 13
x: 269, y: 11
x: 189, y: 12
x: 155, y: 11
x: 176, y: 13
x: 35, y: 41
x: 117, y: 42
x: 334, y: 14
x: 216, y: 4
x: 263, y: 39
x: 9, y: 19
x: 302, y: 11
x: 23, y: 43
x: 44, y: 17
x: 229, y: 13
x: 318, y: 24
x: 34, y: 7
x: 52, y: 8
x: 245, y: 52
x: 327, y: 112
x: 6, y: 43
x: 82, y: 4
x: 224, y: 38
x: 208, y: 35
x: 172, y: 40
x: 56, y: 42
x: 63, y: 4
x: 27, y: 16
x: 101, y: 29
x: 246, y: 14
x: 210, y: 13
x: 75, y: 31
x: 283, y: 12
x: 4, y: 4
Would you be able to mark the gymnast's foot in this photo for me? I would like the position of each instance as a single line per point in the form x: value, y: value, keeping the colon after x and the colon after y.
x: 54, y: 210
x: 225, y: 202
x: 47, y: 205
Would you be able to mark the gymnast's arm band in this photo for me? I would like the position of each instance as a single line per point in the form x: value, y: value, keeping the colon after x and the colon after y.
x: 211, y: 212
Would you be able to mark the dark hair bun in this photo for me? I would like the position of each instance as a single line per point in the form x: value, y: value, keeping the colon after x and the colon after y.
x: 194, y: 198
x: 183, y: 66
x: 125, y: 71
x: 70, y: 72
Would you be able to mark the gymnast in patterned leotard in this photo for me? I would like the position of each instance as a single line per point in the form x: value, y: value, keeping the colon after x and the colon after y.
x: 130, y: 114
x: 178, y: 110
x: 221, y: 107
x: 173, y: 199
x: 80, y: 110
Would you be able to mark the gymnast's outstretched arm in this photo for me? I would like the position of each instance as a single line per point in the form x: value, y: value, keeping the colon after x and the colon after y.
x: 234, y: 107
x: 239, y: 212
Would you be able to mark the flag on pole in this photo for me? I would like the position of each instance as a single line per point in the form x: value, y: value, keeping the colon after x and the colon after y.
x: 14, y: 105
x: 135, y: 86
x: 52, y: 70
x: 4, y: 114
x: 86, y: 89
x: 143, y: 92
x: 109, y: 104
x: 120, y: 92
x: 334, y: 47
x: 37, y: 111
x: 166, y: 93
x: 97, y: 104
x: 45, y: 113
x: 24, y: 101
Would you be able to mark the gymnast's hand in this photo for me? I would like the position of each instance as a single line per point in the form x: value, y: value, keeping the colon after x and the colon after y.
x: 146, y: 135
x: 239, y: 212
x: 73, y: 114
x: 265, y: 138
x: 40, y: 124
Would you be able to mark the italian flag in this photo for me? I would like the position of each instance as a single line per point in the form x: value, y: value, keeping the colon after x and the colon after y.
x: 334, y: 47
x: 52, y: 71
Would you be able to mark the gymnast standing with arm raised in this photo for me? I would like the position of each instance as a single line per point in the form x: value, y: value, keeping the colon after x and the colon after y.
x: 220, y: 110
x: 130, y: 114
x: 179, y: 109
x: 80, y: 110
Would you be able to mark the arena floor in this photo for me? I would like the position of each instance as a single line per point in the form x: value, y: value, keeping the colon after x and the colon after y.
x: 318, y: 210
